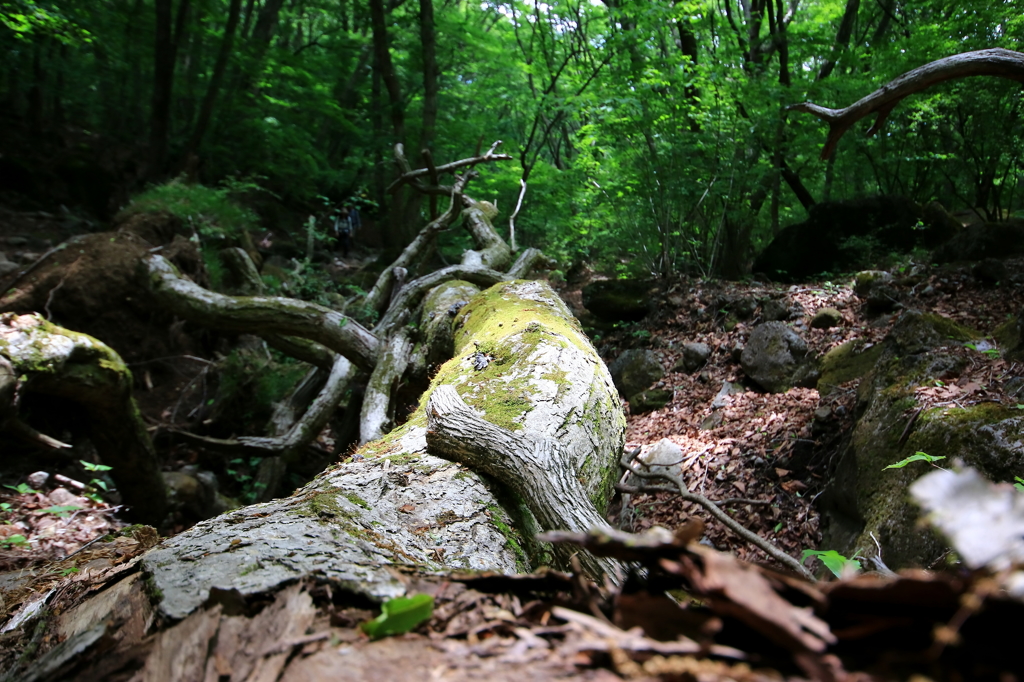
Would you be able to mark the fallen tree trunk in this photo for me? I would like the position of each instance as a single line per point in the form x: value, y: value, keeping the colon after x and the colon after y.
x: 524, y: 368
x: 994, y: 62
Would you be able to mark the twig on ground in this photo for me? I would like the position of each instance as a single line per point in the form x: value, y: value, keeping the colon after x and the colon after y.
x: 715, y: 511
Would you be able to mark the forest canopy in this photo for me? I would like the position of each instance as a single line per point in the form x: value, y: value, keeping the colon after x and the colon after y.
x: 650, y: 135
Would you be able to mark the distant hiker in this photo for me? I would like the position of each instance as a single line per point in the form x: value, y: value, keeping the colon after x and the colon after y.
x: 354, y: 218
x: 343, y: 231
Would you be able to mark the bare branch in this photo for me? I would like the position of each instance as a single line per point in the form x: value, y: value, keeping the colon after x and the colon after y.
x: 261, y: 314
x: 994, y: 62
x: 662, y: 472
x: 410, y: 175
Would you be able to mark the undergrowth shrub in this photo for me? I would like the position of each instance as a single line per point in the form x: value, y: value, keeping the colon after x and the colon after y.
x: 212, y: 211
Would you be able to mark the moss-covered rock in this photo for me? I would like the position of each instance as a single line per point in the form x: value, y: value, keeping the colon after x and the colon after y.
x: 866, y: 502
x: 852, y: 360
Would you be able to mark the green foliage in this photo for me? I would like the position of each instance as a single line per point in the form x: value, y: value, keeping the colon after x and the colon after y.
x: 833, y: 560
x: 61, y: 510
x: 241, y: 472
x: 97, y: 486
x: 1018, y: 483
x: 22, y: 489
x: 400, y: 615
x: 16, y: 540
x: 210, y: 211
x: 917, y: 457
x: 28, y: 19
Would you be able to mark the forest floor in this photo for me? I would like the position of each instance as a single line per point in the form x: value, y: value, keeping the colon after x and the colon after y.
x: 768, y: 455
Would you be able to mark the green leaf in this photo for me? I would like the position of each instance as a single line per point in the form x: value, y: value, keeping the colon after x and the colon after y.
x: 918, y: 457
x: 89, y: 466
x: 1019, y: 485
x: 61, y: 510
x: 22, y: 488
x: 400, y: 615
x: 14, y: 540
x: 833, y: 560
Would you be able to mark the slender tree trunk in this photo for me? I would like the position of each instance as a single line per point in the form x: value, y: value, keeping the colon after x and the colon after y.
x: 428, y: 42
x: 842, y: 37
x: 165, y: 55
x: 382, y: 52
x: 216, y: 79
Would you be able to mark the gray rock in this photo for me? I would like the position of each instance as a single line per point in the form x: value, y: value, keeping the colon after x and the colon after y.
x: 38, y: 479
x: 774, y: 310
x: 775, y: 357
x: 635, y: 370
x: 663, y: 457
x: 868, y: 279
x: 826, y: 318
x: 695, y: 355
x: 991, y: 271
x: 649, y: 400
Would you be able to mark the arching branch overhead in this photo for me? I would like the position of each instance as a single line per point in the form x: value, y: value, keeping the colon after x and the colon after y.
x: 994, y: 62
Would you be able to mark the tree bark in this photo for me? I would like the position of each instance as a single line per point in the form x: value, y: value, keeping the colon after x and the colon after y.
x: 543, y: 402
x: 995, y: 62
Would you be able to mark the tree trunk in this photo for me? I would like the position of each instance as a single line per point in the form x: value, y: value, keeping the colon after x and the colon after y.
x: 216, y: 79
x: 526, y: 398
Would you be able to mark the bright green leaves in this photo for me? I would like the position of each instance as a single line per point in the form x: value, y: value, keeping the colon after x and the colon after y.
x: 918, y: 457
x: 400, y: 615
x: 28, y: 19
x: 833, y: 560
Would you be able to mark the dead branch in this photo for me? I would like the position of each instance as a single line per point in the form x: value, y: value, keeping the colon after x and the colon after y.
x: 512, y: 218
x: 373, y: 420
x: 665, y: 473
x: 409, y: 175
x: 379, y: 295
x: 994, y: 62
x: 301, y: 433
x: 261, y: 314
x: 415, y: 290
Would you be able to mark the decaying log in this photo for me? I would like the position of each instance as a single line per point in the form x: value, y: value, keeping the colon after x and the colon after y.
x: 58, y: 362
x: 994, y: 62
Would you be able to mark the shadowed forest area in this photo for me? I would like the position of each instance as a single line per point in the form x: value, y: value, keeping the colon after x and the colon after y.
x: 366, y: 339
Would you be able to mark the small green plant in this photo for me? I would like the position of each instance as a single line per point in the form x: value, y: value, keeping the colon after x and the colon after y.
x: 917, y: 457
x: 1018, y: 483
x: 400, y: 615
x: 96, y: 484
x: 61, y: 510
x: 22, y: 489
x: 14, y: 541
x: 833, y: 560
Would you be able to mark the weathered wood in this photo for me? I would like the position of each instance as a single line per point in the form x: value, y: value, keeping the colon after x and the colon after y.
x: 994, y: 62
x: 374, y: 421
x: 261, y: 314
x: 535, y: 466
